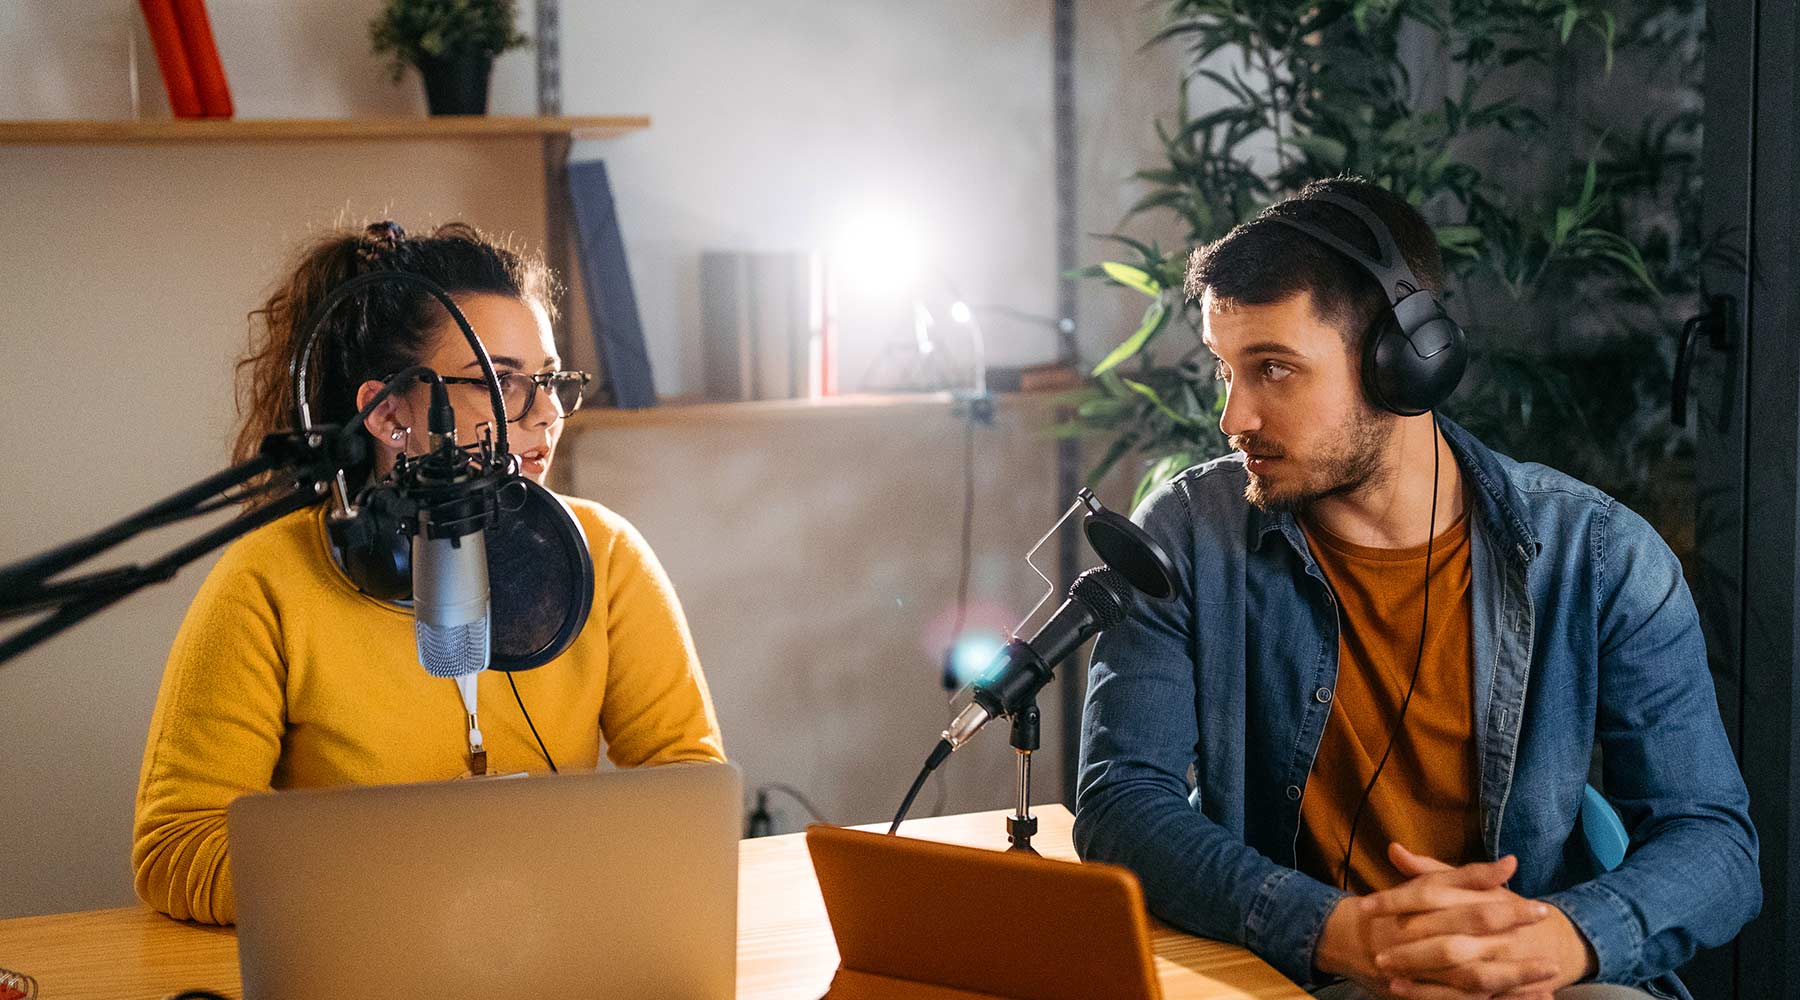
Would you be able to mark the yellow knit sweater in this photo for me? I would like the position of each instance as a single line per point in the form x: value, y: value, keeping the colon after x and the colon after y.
x: 285, y: 676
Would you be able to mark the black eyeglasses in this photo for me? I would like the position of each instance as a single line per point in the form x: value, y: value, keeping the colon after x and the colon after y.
x: 519, y: 390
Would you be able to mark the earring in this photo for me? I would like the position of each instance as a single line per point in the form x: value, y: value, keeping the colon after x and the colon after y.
x: 399, y: 434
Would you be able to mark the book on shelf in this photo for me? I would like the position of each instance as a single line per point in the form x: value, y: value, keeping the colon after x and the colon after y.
x: 606, y: 282
x: 171, y: 57
x: 760, y: 322
x: 187, y: 57
x: 203, y: 58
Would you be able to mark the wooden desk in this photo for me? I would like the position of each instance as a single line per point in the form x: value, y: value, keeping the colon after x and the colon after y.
x: 785, y: 948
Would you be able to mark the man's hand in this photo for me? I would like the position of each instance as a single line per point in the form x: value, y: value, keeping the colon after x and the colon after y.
x: 1432, y: 941
x: 1354, y: 935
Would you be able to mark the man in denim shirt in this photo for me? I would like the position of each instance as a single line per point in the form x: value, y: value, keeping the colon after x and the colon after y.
x: 1357, y: 740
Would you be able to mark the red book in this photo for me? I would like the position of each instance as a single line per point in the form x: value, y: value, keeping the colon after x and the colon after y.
x: 203, y: 57
x: 171, y: 58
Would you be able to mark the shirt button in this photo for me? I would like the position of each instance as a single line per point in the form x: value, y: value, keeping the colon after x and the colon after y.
x: 1293, y: 793
x: 1324, y: 696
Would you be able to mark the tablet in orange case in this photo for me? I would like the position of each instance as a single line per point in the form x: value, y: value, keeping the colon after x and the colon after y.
x: 918, y: 920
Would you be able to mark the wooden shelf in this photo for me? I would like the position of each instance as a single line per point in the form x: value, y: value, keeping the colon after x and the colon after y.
x: 677, y: 412
x: 49, y: 132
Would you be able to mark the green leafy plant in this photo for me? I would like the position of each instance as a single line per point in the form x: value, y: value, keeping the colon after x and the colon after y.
x: 408, y: 31
x: 1570, y: 233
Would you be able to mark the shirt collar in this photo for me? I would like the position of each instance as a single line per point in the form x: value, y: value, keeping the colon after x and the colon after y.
x: 1498, y: 502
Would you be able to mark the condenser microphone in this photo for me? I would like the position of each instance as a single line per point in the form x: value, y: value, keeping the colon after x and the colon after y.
x: 450, y: 580
x: 1099, y: 599
x: 450, y: 603
x: 451, y: 611
x: 409, y: 543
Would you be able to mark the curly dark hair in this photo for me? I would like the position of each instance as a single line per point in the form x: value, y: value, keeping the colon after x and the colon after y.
x: 383, y: 330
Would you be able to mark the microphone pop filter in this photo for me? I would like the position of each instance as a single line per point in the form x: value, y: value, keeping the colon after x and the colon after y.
x: 1129, y: 549
x: 540, y: 577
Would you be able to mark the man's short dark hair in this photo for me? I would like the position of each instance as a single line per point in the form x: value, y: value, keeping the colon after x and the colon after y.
x: 1260, y: 262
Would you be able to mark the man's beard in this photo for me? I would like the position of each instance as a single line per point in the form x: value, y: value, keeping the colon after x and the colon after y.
x: 1348, y: 462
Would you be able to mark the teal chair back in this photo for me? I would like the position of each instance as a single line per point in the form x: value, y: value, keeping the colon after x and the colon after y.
x: 1606, y: 839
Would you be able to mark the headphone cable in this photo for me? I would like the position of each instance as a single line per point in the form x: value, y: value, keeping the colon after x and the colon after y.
x: 1424, y: 620
x: 534, y: 733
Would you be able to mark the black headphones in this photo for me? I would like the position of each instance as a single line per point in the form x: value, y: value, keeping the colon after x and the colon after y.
x: 1414, y: 353
x: 373, y: 548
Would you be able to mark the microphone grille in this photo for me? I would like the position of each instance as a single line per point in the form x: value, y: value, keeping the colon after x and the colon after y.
x: 1104, y: 592
x: 452, y: 650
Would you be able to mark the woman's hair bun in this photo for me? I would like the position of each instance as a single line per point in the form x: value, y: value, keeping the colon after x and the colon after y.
x: 380, y: 244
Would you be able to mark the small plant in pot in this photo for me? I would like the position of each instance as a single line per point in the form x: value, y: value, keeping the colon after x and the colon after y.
x: 452, y: 43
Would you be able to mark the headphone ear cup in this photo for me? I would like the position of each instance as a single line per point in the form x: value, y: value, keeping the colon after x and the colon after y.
x: 1379, y: 377
x: 376, y: 555
x: 1413, y: 356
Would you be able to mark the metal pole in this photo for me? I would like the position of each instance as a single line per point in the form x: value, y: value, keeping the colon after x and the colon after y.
x: 1068, y: 450
x: 549, y: 57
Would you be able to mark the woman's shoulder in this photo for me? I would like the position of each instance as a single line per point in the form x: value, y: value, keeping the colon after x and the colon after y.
x: 279, y: 547
x: 603, y: 526
x: 280, y: 563
x: 612, y: 540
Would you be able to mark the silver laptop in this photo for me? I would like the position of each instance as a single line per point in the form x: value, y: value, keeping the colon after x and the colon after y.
x: 614, y: 884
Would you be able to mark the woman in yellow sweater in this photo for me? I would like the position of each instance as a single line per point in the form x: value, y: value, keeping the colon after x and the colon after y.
x: 284, y: 675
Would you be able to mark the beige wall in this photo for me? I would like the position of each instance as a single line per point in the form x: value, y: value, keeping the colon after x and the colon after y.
x: 126, y: 273
x: 817, y: 551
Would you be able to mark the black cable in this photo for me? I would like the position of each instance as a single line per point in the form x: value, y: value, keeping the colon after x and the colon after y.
x: 534, y: 733
x: 239, y: 498
x: 966, y: 560
x: 1425, y: 619
x: 759, y: 823
x: 952, y: 679
x: 938, y: 753
x: 1019, y: 314
x: 794, y: 793
x: 968, y: 530
x: 393, y: 384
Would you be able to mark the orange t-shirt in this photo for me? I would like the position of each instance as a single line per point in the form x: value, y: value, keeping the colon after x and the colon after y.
x: 1427, y: 795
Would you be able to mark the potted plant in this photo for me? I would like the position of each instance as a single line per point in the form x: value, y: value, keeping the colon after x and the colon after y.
x: 452, y: 43
x: 1568, y: 213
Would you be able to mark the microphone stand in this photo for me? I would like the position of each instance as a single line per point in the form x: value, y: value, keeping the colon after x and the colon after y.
x: 310, y: 461
x: 1022, y: 825
x: 305, y: 461
x: 1134, y: 560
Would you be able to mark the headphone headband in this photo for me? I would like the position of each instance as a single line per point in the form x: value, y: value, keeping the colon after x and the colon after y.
x: 1414, y: 353
x: 1390, y: 270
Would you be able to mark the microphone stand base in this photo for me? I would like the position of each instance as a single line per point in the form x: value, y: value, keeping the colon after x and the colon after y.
x: 1019, y: 831
x: 1025, y: 735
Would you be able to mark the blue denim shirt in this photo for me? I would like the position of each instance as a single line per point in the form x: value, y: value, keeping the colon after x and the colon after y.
x: 1204, y: 713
